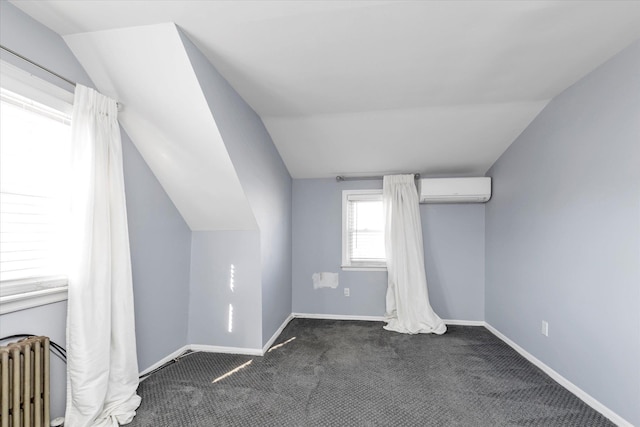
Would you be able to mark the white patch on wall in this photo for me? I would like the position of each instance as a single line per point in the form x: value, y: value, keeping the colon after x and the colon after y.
x: 325, y: 280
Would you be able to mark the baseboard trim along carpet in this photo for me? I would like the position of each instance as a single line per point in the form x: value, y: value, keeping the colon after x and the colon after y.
x: 318, y: 374
x: 228, y: 350
x: 219, y: 349
x: 277, y: 333
x: 205, y: 349
x: 338, y: 317
x: 583, y: 395
x: 165, y: 359
x: 378, y: 318
x: 464, y: 322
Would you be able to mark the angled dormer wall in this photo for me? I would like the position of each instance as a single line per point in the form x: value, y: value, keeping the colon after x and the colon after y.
x: 264, y: 179
x: 218, y: 164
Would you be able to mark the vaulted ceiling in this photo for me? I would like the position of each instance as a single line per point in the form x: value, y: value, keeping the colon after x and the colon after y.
x: 371, y: 87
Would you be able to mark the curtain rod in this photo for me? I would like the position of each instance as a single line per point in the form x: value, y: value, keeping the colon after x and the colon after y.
x: 53, y: 73
x: 24, y: 58
x: 341, y: 178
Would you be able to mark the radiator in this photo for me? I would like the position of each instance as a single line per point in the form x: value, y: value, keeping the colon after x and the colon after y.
x: 24, y: 383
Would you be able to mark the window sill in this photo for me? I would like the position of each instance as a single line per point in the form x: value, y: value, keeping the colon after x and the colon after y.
x: 11, y: 303
x: 363, y: 268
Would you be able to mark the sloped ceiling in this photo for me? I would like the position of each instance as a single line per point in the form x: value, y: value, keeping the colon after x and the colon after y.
x: 168, y: 118
x: 370, y: 87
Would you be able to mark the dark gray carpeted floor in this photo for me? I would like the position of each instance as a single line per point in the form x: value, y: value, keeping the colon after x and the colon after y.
x: 347, y: 373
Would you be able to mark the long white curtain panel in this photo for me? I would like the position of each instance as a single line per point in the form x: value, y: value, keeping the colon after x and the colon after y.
x: 408, y: 307
x: 102, y: 367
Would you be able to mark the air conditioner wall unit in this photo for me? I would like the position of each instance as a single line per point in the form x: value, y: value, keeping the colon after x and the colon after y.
x: 455, y: 190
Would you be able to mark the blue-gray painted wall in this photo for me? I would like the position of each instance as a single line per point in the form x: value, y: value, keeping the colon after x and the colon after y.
x: 453, y: 236
x: 160, y: 240
x: 454, y: 255
x: 265, y: 181
x: 317, y: 248
x: 213, y: 255
x: 563, y: 236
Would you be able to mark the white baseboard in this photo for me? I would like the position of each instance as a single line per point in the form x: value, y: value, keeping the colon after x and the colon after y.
x: 464, y: 322
x: 165, y: 359
x: 203, y: 348
x: 228, y: 350
x: 379, y: 318
x: 583, y: 395
x: 338, y: 317
x: 277, y: 333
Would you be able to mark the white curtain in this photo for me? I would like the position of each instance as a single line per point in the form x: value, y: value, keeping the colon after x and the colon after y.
x: 408, y: 308
x: 102, y: 366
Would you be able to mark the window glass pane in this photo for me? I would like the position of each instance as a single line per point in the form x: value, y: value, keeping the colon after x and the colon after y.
x: 34, y: 188
x: 366, y: 231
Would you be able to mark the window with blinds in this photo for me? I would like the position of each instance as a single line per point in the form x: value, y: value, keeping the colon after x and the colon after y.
x: 34, y: 194
x: 363, y: 229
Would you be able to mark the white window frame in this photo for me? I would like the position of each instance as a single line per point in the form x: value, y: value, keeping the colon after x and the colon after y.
x: 346, y: 261
x: 37, y: 291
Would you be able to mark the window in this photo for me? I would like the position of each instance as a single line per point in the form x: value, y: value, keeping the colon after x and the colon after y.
x: 363, y: 230
x: 35, y: 142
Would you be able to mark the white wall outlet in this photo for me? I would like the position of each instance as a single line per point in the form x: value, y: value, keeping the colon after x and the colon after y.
x: 346, y: 292
x: 545, y: 328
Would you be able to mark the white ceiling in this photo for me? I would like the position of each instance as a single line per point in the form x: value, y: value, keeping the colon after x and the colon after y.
x: 370, y: 87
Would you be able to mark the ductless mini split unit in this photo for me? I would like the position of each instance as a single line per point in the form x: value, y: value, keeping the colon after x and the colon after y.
x: 455, y: 190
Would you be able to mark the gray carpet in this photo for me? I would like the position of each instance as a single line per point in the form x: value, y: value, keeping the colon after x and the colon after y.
x: 347, y: 373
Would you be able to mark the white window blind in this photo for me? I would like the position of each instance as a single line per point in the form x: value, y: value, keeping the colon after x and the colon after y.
x: 34, y: 194
x: 363, y: 229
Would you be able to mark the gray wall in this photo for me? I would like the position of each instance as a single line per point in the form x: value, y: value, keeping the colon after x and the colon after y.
x: 265, y: 181
x: 454, y: 255
x: 453, y: 236
x: 563, y: 236
x: 213, y: 254
x: 160, y: 240
x: 160, y: 244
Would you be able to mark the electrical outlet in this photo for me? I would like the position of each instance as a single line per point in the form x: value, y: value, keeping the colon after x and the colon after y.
x: 545, y: 328
x: 346, y: 292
